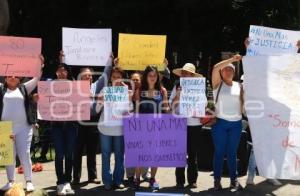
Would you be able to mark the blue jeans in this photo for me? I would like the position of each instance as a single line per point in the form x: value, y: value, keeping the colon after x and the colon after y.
x: 64, y: 136
x: 226, y: 138
x: 115, y: 143
x: 251, y: 165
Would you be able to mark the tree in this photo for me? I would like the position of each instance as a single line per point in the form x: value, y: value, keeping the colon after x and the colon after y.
x: 4, y: 17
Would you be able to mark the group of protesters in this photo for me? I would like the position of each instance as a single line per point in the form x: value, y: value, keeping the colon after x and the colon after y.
x: 70, y: 138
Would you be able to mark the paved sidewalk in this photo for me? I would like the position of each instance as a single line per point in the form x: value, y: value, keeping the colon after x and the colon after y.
x: 47, y: 178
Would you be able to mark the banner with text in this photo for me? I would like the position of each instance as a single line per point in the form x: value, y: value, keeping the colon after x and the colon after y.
x: 271, y: 41
x: 153, y: 140
x: 87, y: 46
x: 272, y: 101
x: 64, y: 100
x: 116, y: 105
x: 19, y: 56
x: 6, y: 143
x: 135, y: 52
x: 192, y: 97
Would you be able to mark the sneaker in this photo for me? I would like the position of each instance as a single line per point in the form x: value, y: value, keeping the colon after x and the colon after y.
x: 250, y: 180
x: 147, y: 177
x: 136, y: 184
x: 217, y: 185
x: 119, y: 186
x: 192, y: 186
x: 154, y: 184
x: 29, y: 187
x: 95, y: 181
x: 235, y: 186
x: 7, y: 186
x: 68, y: 189
x: 61, y: 189
x: 275, y: 182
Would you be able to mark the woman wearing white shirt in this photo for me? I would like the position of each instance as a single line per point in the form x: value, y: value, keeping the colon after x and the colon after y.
x: 14, y: 107
x: 194, y: 127
x: 226, y: 132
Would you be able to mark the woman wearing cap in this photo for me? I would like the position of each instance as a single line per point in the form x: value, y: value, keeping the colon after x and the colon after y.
x: 14, y: 106
x: 193, y: 128
x: 227, y: 130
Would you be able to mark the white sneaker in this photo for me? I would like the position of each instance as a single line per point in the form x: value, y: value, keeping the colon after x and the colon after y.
x: 275, y: 182
x: 250, y: 180
x: 68, y: 189
x: 29, y: 187
x: 7, y: 186
x: 61, y: 189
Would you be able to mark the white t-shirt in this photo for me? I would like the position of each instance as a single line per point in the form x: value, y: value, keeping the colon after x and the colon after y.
x: 14, y: 108
x: 190, y: 121
x: 228, y: 106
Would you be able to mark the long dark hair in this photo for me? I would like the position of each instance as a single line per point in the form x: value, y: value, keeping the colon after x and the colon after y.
x: 145, y: 85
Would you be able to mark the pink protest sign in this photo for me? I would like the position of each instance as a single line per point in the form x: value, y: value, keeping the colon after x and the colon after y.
x: 64, y: 100
x: 20, y: 56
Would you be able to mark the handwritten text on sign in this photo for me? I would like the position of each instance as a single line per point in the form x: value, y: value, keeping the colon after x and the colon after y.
x: 138, y: 51
x: 87, y: 46
x: 64, y: 100
x: 270, y: 41
x: 6, y: 143
x: 192, y: 97
x: 116, y: 104
x: 19, y: 56
x: 272, y: 97
x: 155, y: 142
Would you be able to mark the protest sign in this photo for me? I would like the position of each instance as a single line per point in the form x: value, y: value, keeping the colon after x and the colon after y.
x: 271, y: 41
x: 155, y: 141
x: 138, y: 51
x: 64, y: 100
x: 192, y: 97
x: 272, y: 104
x: 116, y: 104
x: 6, y: 143
x: 19, y: 56
x: 87, y: 46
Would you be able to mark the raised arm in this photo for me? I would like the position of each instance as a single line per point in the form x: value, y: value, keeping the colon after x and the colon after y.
x: 216, y: 75
x: 31, y: 84
x: 103, y: 79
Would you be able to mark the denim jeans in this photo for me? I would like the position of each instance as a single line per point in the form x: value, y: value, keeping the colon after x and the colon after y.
x: 64, y: 137
x: 109, y: 144
x: 251, y: 165
x: 226, y: 138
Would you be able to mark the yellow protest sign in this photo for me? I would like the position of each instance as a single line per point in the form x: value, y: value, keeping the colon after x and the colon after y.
x: 6, y: 144
x: 135, y: 52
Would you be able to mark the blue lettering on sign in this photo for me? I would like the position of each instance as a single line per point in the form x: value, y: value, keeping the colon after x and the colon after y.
x: 273, y: 44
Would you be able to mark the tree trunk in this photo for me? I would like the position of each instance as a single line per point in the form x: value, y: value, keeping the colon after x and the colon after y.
x: 4, y: 17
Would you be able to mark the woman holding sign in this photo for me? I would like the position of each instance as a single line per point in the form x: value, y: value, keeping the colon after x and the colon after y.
x: 14, y: 97
x: 226, y: 133
x: 111, y: 134
x: 194, y: 126
x: 153, y: 99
